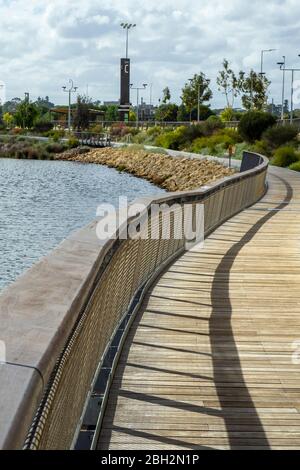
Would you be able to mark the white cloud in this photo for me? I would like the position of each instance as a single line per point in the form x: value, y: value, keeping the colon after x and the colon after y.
x: 42, y: 44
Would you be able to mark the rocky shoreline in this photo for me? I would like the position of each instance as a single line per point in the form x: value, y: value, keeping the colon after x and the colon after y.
x: 172, y: 174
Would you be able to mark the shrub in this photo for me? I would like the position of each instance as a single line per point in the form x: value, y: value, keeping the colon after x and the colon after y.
x: 262, y: 147
x: 295, y: 166
x: 154, y: 131
x: 140, y: 138
x: 97, y: 129
x: 279, y: 135
x: 194, y: 132
x: 43, y: 126
x: 215, y: 144
x: 172, y: 139
x: 232, y: 133
x: 211, y: 125
x: 285, y: 156
x: 56, y: 134
x: 73, y: 142
x: 55, y: 148
x: 227, y: 115
x: 254, y: 123
x: 116, y: 130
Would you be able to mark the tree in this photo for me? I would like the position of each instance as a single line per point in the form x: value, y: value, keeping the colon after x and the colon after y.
x: 132, y: 116
x: 26, y: 114
x: 44, y: 105
x: 184, y: 115
x: 227, y: 115
x: 196, y: 89
x: 11, y: 106
x: 167, y: 112
x: 8, y: 119
x: 111, y: 113
x: 254, y: 89
x: 229, y: 83
x: 82, y: 114
x: 254, y: 123
x: 166, y: 95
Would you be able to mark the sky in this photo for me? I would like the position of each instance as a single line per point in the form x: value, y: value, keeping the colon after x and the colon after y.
x: 44, y: 43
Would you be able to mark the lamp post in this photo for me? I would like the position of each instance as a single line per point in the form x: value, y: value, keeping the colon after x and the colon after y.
x: 138, y: 99
x: 262, y: 59
x: 127, y: 27
x: 282, y: 67
x: 293, y: 70
x: 70, y: 90
x: 198, y: 100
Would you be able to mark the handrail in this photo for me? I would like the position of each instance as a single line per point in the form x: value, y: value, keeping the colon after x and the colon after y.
x: 59, y: 317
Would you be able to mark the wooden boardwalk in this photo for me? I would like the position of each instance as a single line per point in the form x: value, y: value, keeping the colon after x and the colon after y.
x: 208, y: 363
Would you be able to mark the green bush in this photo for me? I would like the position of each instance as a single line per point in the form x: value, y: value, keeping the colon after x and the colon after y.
x: 211, y: 125
x: 216, y: 144
x: 232, y: 133
x: 295, y: 166
x: 279, y: 135
x: 262, y: 147
x: 56, y: 134
x: 285, y: 156
x: 43, y: 126
x: 73, y: 142
x: 253, y: 124
x: 240, y: 149
x: 173, y: 139
x: 154, y: 131
x: 55, y: 148
x: 97, y: 129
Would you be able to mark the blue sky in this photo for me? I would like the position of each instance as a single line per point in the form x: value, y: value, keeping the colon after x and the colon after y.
x: 43, y: 44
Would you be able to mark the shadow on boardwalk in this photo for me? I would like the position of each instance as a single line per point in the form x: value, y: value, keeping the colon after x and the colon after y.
x: 222, y: 277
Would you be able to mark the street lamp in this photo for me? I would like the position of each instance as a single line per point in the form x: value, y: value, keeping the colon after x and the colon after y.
x: 70, y: 90
x: 293, y: 70
x: 198, y: 100
x: 127, y: 27
x: 282, y: 67
x: 262, y: 59
x: 138, y: 99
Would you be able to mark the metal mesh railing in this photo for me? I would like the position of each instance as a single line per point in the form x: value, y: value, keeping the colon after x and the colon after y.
x: 128, y: 265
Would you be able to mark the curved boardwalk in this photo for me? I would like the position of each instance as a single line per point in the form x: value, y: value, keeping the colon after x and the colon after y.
x: 208, y: 361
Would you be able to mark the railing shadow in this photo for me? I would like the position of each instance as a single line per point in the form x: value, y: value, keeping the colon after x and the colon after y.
x: 222, y: 276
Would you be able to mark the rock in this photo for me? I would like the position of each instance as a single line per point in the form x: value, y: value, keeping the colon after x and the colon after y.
x: 172, y: 174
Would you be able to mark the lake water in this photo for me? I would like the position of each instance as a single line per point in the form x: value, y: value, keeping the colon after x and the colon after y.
x: 42, y: 202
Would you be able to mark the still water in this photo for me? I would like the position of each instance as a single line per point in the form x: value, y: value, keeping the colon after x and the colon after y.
x: 42, y: 202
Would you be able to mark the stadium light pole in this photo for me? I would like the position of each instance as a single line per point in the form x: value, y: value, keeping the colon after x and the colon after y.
x: 127, y: 27
x: 70, y: 90
x: 137, y: 88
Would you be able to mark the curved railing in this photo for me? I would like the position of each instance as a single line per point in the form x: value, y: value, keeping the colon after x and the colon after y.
x: 60, y: 317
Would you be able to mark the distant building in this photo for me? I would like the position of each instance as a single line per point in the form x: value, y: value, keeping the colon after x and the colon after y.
x: 276, y: 109
x: 146, y: 111
x: 60, y: 115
